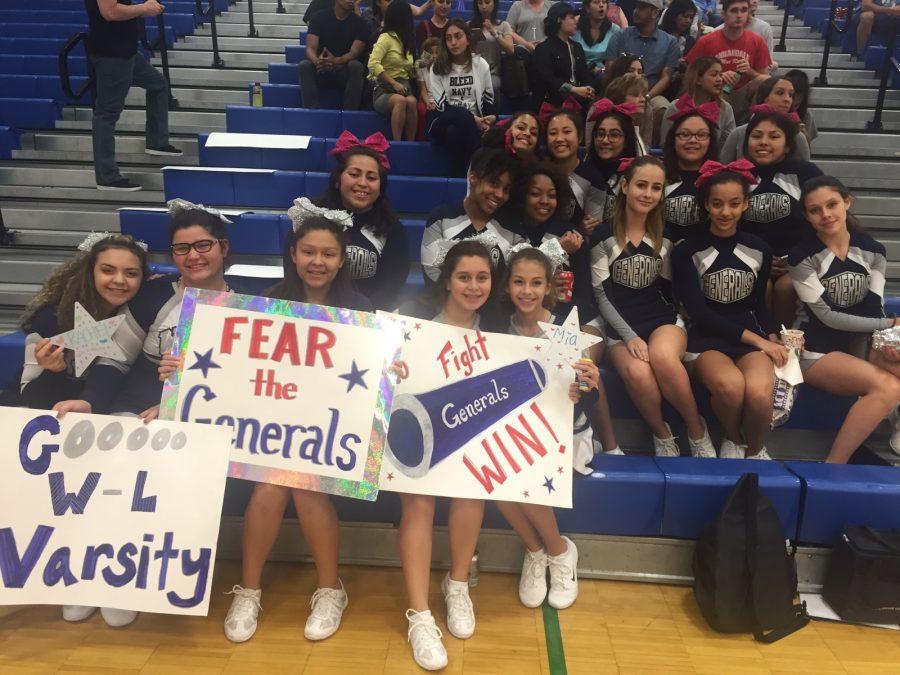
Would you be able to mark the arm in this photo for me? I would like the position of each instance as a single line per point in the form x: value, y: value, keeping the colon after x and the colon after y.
x: 662, y: 84
x: 504, y: 36
x: 488, y: 103
x: 431, y: 244
x: 543, y: 69
x: 801, y: 147
x: 726, y: 123
x: 436, y: 89
x: 731, y: 150
x: 312, y: 48
x: 763, y: 315
x: 614, y: 46
x: 376, y: 67
x: 110, y: 10
x: 602, y: 286
x: 419, y: 10
x: 392, y: 269
x: 356, y: 50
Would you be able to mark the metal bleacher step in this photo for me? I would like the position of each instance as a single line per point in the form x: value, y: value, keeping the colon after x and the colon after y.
x: 265, y: 31
x: 855, y: 145
x: 180, y: 122
x: 53, y: 193
x: 294, y: 20
x: 813, y: 59
x: 23, y: 173
x: 195, y: 97
x: 857, y: 97
x: 38, y: 217
x: 197, y: 59
x: 848, y: 78
x: 870, y: 204
x: 77, y: 147
x: 857, y: 174
x: 853, y: 118
x: 17, y: 295
x: 237, y: 44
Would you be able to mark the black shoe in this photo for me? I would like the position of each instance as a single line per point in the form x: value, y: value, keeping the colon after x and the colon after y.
x: 121, y: 185
x: 166, y: 151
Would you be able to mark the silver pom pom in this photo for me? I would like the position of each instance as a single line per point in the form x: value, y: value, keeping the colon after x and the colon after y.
x: 178, y: 205
x: 303, y: 208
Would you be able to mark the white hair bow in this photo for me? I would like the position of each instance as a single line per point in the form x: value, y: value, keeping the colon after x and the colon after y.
x: 179, y: 205
x: 303, y: 209
x: 550, y: 248
x: 94, y: 237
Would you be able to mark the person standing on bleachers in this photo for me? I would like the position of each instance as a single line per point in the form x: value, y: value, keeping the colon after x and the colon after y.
x: 113, y: 27
x: 336, y: 40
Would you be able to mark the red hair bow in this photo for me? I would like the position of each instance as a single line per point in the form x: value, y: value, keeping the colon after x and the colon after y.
x: 764, y: 108
x: 547, y: 110
x: 507, y: 137
x: 685, y: 106
x: 377, y: 143
x: 624, y: 163
x: 742, y: 167
x: 604, y: 105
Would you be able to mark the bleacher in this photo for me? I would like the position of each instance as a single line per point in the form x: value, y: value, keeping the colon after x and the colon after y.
x: 49, y: 200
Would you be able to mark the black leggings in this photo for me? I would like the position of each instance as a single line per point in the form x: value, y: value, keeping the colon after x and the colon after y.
x: 455, y: 130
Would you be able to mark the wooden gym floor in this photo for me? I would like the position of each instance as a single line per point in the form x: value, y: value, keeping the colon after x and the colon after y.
x: 614, y: 627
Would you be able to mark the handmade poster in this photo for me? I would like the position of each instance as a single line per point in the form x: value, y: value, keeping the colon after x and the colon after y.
x: 480, y: 415
x: 303, y: 388
x: 108, y: 511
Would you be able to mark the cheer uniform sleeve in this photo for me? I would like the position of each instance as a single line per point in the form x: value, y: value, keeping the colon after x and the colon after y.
x: 393, y: 268
x: 602, y: 286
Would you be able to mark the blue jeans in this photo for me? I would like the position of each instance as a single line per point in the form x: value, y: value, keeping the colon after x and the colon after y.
x: 114, y: 77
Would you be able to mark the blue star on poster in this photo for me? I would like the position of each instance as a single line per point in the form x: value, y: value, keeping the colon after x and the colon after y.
x: 204, y: 363
x: 355, y: 377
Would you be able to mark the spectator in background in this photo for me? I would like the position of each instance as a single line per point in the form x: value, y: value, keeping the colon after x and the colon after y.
x: 336, y: 39
x: 595, y: 30
x: 374, y: 14
x: 393, y: 68
x: 702, y: 84
x: 559, y: 67
x: 314, y: 7
x: 436, y: 25
x: 760, y: 27
x: 632, y: 88
x: 626, y: 63
x: 800, y: 104
x: 526, y: 17
x: 744, y: 56
x: 616, y: 15
x: 112, y: 45
x: 679, y: 21
x: 491, y: 38
x: 708, y: 16
x: 877, y: 14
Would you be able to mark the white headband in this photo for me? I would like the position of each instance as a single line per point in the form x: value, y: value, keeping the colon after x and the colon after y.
x: 177, y: 206
x: 486, y: 238
x: 91, y: 240
x: 304, y: 209
x: 550, y: 248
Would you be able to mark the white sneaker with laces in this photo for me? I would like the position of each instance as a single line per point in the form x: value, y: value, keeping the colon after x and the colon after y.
x: 731, y: 450
x: 563, y: 576
x: 615, y: 451
x: 533, y: 582
x: 77, y: 612
x: 117, y: 618
x: 666, y: 447
x: 327, y: 608
x: 762, y: 454
x: 460, y: 612
x: 703, y: 447
x: 894, y: 419
x: 425, y: 640
x: 241, y: 620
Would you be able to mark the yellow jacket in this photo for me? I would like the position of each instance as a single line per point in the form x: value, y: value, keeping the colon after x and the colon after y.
x: 387, y: 57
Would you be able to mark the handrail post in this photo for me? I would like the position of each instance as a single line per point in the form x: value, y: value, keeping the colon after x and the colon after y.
x: 253, y: 32
x: 217, y: 60
x: 890, y: 64
x: 280, y: 9
x: 822, y: 79
x: 164, y: 56
x: 782, y: 45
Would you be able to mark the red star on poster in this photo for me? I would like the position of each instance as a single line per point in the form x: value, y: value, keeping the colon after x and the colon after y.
x: 418, y: 326
x: 390, y: 476
x: 559, y: 470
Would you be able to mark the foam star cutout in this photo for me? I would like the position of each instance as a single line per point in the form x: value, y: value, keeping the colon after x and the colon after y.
x: 548, y: 483
x: 567, y: 342
x: 204, y: 363
x: 355, y: 377
x: 90, y: 339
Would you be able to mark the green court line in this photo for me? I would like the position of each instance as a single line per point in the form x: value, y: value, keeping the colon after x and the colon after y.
x: 555, y: 654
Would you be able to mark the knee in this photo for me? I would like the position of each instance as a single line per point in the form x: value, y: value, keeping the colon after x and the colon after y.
x: 307, y: 66
x: 418, y: 507
x: 727, y: 388
x: 758, y: 394
x: 355, y: 68
x: 639, y: 375
x: 267, y: 494
x: 663, y: 360
x: 411, y: 103
x: 867, y: 18
x: 887, y: 386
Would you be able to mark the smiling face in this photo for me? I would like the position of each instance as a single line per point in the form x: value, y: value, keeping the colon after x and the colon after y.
x: 524, y: 131
x: 489, y: 193
x: 117, y: 276
x: 540, y: 199
x: 826, y: 210
x: 317, y: 256
x: 469, y: 286
x: 711, y: 81
x: 692, y: 142
x: 725, y: 205
x: 644, y: 190
x: 781, y: 98
x: 199, y: 270
x: 442, y: 8
x: 360, y: 184
x: 456, y: 41
x: 609, y: 138
x: 528, y: 286
x: 562, y: 138
x: 766, y: 144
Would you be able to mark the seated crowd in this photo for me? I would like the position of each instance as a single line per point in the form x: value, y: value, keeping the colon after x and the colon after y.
x: 687, y: 266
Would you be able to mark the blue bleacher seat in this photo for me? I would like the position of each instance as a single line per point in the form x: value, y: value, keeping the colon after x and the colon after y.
x: 9, y: 141
x: 321, y: 123
x: 835, y: 495
x: 28, y: 113
x: 12, y: 355
x: 19, y: 64
x: 696, y: 490
x: 281, y: 95
x: 183, y: 24
x: 283, y: 73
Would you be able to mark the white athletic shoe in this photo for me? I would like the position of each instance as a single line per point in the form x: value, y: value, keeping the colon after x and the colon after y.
x: 762, y: 454
x: 894, y: 419
x: 77, y: 612
x: 460, y: 612
x: 666, y: 447
x: 703, y: 447
x: 533, y: 582
x: 117, y: 618
x: 425, y: 640
x: 615, y: 451
x: 731, y: 450
x: 563, y: 576
x: 241, y: 620
x: 327, y: 608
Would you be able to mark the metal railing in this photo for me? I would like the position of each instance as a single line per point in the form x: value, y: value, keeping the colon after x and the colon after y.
x: 253, y: 32
x: 831, y: 28
x: 159, y: 45
x: 788, y: 4
x: 64, y: 78
x: 888, y: 67
x: 280, y: 9
x: 210, y: 13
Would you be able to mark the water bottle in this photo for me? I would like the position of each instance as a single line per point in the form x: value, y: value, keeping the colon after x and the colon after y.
x: 257, y: 95
x: 473, y: 570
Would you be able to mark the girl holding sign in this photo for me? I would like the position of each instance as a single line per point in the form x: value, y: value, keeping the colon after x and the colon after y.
x: 532, y: 293
x: 315, y: 271
x: 463, y: 289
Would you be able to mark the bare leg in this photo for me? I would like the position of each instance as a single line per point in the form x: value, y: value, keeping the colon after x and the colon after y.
x: 784, y: 300
x: 667, y: 344
x: 864, y: 31
x: 725, y: 383
x: 262, y: 523
x: 398, y: 116
x: 845, y: 375
x: 414, y: 542
x: 464, y: 525
x: 319, y: 524
x: 515, y: 516
x: 601, y: 417
x: 412, y: 118
x: 642, y: 388
x: 759, y: 380
x: 543, y: 519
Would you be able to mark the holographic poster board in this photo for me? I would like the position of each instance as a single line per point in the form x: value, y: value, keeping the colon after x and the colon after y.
x: 480, y: 415
x: 304, y: 388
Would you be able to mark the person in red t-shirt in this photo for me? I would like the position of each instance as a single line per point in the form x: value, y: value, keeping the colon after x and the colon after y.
x: 744, y: 56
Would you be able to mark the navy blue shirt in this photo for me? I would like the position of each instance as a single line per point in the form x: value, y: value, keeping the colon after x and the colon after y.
x: 683, y: 212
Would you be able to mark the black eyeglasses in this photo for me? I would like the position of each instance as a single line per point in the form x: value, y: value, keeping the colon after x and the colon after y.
x: 202, y: 246
x: 612, y: 134
x: 688, y: 135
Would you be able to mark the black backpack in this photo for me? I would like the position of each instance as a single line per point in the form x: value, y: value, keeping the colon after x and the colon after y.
x: 745, y: 579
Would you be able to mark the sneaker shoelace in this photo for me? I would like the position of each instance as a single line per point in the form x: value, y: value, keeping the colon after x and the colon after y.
x: 429, y: 632
x: 325, y: 603
x: 560, y: 570
x: 670, y: 443
x: 244, y: 599
x: 459, y: 601
x: 535, y: 569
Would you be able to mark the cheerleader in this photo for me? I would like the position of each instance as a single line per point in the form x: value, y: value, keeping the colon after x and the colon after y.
x: 460, y: 298
x: 377, y: 245
x: 720, y: 279
x: 531, y: 291
x: 775, y: 214
x: 632, y: 279
x: 103, y: 277
x: 315, y: 272
x: 691, y: 141
x: 838, y: 273
x: 490, y: 179
x: 518, y: 135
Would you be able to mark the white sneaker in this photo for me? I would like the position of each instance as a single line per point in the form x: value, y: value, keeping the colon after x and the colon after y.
x: 615, y: 451
x: 460, y: 612
x: 77, y: 612
x: 241, y: 620
x: 731, y: 450
x: 533, y: 582
x: 894, y: 419
x: 563, y: 576
x: 666, y: 447
x: 762, y: 454
x: 327, y: 608
x: 425, y: 639
x: 117, y: 618
x: 703, y: 447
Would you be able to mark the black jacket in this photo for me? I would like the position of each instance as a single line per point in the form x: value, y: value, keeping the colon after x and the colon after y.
x: 552, y: 68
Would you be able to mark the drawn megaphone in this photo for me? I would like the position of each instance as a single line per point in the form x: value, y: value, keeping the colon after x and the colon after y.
x: 427, y: 428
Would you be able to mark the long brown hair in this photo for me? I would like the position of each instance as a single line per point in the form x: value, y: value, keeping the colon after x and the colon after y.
x: 694, y: 72
x: 533, y: 255
x: 442, y: 62
x: 654, y: 223
x: 73, y: 282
